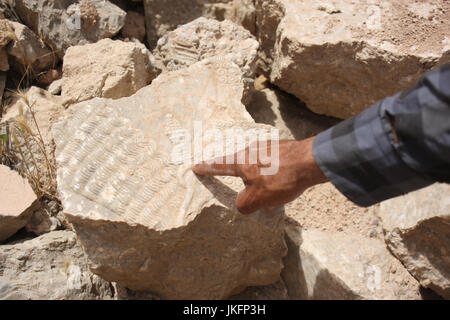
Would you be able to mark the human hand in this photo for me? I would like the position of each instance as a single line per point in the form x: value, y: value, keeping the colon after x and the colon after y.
x: 297, y: 171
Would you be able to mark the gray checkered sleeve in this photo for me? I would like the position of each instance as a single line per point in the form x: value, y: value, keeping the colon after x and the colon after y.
x: 362, y: 158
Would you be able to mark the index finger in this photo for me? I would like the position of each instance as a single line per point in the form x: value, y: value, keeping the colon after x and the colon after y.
x: 217, y: 167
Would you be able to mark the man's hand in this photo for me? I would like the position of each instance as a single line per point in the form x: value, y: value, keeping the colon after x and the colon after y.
x: 297, y: 172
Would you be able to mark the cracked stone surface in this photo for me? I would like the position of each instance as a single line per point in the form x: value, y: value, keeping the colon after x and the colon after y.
x: 341, y: 57
x: 417, y: 231
x: 108, y: 68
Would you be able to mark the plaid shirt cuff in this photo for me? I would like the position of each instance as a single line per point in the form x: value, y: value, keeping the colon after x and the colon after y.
x: 359, y: 158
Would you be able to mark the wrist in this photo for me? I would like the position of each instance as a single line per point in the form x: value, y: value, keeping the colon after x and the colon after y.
x: 312, y: 174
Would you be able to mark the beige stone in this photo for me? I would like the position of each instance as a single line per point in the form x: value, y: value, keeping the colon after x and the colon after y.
x: 417, y: 231
x: 66, y: 23
x: 330, y: 265
x: 17, y: 202
x: 145, y: 220
x: 205, y: 38
x: 29, y: 52
x: 47, y: 110
x: 162, y: 16
x: 341, y: 57
x: 55, y: 87
x: 50, y: 267
x: 108, y: 68
x: 134, y: 26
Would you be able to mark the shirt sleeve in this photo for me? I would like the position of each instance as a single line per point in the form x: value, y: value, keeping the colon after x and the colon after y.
x: 370, y: 161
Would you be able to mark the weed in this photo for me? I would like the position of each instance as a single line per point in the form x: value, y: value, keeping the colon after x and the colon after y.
x: 23, y: 147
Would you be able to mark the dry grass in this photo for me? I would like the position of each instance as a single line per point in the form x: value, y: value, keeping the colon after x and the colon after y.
x: 23, y: 147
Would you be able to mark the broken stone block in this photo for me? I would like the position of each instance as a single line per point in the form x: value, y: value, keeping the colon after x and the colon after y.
x: 341, y: 57
x: 18, y: 202
x: 27, y: 51
x: 66, y: 23
x: 55, y: 87
x: 145, y: 220
x: 417, y: 231
x: 162, y: 16
x: 330, y: 265
x: 108, y: 68
x: 205, y: 38
x: 50, y: 267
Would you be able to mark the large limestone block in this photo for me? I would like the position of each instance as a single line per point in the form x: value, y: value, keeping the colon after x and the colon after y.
x: 108, y: 68
x: 145, y: 220
x: 28, y: 51
x: 17, y: 202
x: 50, y: 267
x: 329, y: 265
x: 205, y: 38
x: 65, y: 23
x: 417, y: 231
x: 340, y: 57
x: 162, y: 16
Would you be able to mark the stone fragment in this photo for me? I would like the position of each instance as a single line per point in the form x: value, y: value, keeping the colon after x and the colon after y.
x: 108, y: 68
x: 66, y: 23
x: 55, y: 87
x: 28, y: 51
x: 50, y: 267
x: 162, y: 16
x: 17, y: 201
x: 340, y: 58
x: 205, y: 38
x: 145, y: 220
x: 327, y: 265
x: 134, y: 26
x: 417, y: 231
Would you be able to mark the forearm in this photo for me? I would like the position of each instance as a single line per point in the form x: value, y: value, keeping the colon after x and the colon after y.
x: 398, y: 145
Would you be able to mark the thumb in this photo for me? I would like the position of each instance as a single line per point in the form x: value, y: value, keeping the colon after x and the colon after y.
x: 247, y: 201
